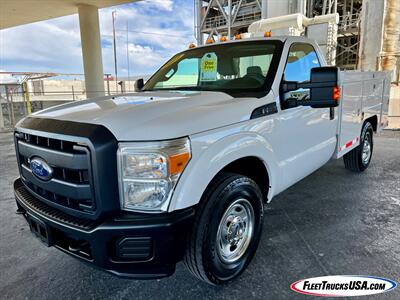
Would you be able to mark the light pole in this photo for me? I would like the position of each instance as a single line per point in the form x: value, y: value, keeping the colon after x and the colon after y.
x: 127, y: 54
x: 115, y: 51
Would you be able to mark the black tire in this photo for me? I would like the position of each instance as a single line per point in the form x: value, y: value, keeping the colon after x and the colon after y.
x: 203, y: 257
x: 353, y: 160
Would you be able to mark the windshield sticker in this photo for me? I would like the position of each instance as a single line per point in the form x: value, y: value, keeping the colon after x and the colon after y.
x: 208, y: 67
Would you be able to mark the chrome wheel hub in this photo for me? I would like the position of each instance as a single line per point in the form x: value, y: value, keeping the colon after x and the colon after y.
x: 366, y: 150
x: 235, y: 231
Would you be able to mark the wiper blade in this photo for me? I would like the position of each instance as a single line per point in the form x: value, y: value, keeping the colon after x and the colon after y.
x: 182, y: 88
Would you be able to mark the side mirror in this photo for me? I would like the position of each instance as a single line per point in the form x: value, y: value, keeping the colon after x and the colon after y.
x: 323, y: 85
x: 139, y: 85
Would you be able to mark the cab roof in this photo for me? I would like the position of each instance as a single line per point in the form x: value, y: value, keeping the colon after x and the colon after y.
x: 281, y: 38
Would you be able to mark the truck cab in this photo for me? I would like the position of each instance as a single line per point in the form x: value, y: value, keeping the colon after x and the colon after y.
x: 182, y: 169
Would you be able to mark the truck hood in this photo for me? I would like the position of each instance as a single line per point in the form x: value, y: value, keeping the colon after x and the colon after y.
x: 156, y: 115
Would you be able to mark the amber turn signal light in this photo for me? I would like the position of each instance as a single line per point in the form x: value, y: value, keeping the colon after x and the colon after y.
x: 336, y: 93
x: 178, y: 162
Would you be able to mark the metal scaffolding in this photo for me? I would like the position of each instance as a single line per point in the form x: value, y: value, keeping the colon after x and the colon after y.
x: 348, y: 37
x: 216, y: 18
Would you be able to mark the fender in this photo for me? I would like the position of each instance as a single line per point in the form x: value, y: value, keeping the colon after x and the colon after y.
x: 211, y: 152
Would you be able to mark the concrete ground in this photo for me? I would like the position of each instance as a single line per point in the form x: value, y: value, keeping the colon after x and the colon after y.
x: 332, y: 222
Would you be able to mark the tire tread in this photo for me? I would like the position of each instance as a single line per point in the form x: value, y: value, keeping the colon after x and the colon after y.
x: 193, y: 259
x: 352, y: 159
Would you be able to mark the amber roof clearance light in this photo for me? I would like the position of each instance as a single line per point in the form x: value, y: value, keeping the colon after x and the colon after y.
x: 268, y: 34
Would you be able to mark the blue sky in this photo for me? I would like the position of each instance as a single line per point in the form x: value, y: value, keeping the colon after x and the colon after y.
x: 54, y: 45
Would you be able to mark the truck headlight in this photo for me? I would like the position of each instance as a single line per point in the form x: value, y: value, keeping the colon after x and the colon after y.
x: 149, y: 171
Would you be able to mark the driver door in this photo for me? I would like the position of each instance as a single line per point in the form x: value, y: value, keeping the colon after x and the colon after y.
x: 309, y: 134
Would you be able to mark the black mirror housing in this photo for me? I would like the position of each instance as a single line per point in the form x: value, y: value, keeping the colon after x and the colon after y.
x: 323, y: 85
x: 324, y: 91
x: 139, y: 85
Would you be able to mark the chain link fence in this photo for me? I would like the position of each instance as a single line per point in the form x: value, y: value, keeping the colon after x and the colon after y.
x: 19, y: 97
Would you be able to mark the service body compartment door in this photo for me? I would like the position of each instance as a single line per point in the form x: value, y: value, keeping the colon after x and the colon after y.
x: 373, y: 92
x: 386, y: 95
x: 364, y: 95
x: 349, y: 112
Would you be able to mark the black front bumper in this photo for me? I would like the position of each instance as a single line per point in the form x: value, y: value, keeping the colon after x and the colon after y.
x: 130, y: 245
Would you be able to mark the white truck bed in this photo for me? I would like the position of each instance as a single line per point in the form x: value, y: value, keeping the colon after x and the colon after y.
x: 364, y: 94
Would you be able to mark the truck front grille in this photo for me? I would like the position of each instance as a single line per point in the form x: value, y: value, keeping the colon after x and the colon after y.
x: 28, y: 201
x: 71, y: 184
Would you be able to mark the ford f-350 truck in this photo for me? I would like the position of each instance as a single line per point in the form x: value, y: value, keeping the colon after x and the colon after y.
x: 181, y: 169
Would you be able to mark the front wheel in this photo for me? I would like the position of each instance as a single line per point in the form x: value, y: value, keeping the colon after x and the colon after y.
x: 227, y: 229
x: 358, y: 159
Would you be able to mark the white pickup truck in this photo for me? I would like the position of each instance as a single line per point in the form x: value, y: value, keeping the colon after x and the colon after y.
x: 181, y: 169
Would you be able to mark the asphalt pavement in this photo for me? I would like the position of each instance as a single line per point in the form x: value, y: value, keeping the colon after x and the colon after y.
x: 333, y: 222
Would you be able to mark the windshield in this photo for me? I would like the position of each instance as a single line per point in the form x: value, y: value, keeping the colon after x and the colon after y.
x: 231, y: 67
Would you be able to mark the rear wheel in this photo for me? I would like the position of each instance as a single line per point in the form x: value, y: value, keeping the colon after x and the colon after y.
x: 227, y: 229
x: 358, y: 159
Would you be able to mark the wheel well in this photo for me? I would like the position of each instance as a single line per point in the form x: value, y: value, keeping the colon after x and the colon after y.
x: 374, y: 122
x: 252, y: 167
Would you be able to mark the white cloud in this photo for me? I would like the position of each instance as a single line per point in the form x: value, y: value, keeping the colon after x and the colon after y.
x: 54, y: 45
x: 159, y: 4
x: 143, y: 56
x: 142, y: 59
x: 42, y: 46
x: 147, y: 51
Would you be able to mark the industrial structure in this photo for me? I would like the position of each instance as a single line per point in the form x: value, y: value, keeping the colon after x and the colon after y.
x: 215, y: 18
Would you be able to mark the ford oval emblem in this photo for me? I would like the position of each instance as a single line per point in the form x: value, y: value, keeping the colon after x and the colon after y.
x: 40, y: 168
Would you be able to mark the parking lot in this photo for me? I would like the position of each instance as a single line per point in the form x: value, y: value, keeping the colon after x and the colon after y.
x: 332, y: 223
